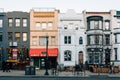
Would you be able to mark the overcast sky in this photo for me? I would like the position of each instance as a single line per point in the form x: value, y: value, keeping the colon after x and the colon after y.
x: 62, y: 5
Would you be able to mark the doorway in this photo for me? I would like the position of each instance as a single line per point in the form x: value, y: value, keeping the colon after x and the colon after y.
x: 36, y: 62
x: 80, y: 57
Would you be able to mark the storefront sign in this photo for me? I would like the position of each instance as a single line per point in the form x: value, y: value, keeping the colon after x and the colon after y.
x: 14, y: 52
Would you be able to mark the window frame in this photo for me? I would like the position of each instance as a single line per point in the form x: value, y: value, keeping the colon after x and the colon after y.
x: 1, y: 36
x: 81, y: 40
x: 67, y: 55
x: 25, y: 37
x: 25, y: 23
x: 44, y: 25
x: 17, y: 23
x: 10, y: 23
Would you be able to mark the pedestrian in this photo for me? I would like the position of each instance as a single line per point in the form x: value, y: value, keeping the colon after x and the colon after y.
x: 3, y: 66
x: 7, y: 67
x: 111, y: 67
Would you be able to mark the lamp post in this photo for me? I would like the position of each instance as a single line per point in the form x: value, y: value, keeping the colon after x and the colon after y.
x: 46, y: 60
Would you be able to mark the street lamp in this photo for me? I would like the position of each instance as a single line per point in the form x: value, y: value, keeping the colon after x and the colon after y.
x: 46, y: 60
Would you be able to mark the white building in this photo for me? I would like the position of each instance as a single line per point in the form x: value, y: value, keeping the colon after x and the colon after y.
x: 98, y: 32
x: 71, y: 38
x: 115, y: 56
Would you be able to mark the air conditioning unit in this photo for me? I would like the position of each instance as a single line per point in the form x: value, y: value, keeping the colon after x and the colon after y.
x: 10, y: 43
x: 14, y: 43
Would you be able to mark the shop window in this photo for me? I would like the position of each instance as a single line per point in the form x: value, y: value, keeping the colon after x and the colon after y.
x: 67, y: 55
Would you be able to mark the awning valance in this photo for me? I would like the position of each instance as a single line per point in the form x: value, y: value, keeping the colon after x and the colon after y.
x: 35, y: 52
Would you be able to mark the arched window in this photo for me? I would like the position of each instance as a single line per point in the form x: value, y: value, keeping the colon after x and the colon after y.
x: 80, y: 40
x: 67, y: 55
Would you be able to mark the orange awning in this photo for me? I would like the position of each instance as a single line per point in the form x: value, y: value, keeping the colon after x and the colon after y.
x: 52, y: 52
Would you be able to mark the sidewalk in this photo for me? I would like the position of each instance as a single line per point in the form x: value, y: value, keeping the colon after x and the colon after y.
x: 65, y: 74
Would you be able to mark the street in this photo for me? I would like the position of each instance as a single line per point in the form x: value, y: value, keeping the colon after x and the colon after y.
x: 59, y: 78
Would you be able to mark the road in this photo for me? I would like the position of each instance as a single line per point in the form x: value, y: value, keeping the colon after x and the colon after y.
x: 59, y: 78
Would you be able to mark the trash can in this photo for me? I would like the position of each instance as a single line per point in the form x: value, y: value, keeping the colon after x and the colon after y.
x: 32, y: 70
x: 27, y: 70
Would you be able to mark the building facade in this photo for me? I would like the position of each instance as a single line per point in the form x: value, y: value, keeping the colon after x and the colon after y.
x: 17, y: 30
x: 71, y: 38
x: 115, y: 56
x: 2, y: 37
x: 43, y: 23
x: 98, y: 32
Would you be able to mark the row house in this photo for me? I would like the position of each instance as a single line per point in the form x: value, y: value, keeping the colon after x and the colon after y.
x: 17, y: 32
x: 2, y: 38
x: 115, y: 56
x: 71, y: 32
x: 43, y: 25
x: 98, y: 32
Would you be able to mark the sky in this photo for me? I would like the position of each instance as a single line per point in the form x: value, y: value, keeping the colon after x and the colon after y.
x: 62, y: 5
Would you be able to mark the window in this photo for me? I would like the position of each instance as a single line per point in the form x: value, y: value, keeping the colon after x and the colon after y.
x: 70, y: 25
x: 76, y: 27
x: 80, y: 40
x: 34, y: 40
x: 17, y: 22
x: 1, y: 23
x: 107, y: 39
x: 42, y: 40
x: 24, y: 36
x: 10, y: 22
x: 115, y: 53
x: 0, y: 54
x: 118, y: 24
x: 67, y: 39
x: 24, y: 22
x: 43, y: 25
x: 97, y: 39
x: 0, y: 36
x: 107, y: 25
x: 50, y: 24
x: 65, y: 26
x: 88, y: 40
x: 10, y: 36
x: 38, y: 25
x: 96, y: 57
x: 67, y: 55
x: 53, y: 40
x: 115, y: 38
x: 17, y: 36
x: 96, y: 24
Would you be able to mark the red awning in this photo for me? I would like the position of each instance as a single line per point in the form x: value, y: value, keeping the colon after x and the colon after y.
x: 42, y: 52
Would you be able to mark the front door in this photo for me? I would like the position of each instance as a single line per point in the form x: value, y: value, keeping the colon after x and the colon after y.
x: 36, y: 62
x: 80, y: 57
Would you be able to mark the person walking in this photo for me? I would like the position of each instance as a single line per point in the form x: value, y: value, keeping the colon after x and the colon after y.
x: 3, y: 66
x: 7, y: 67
